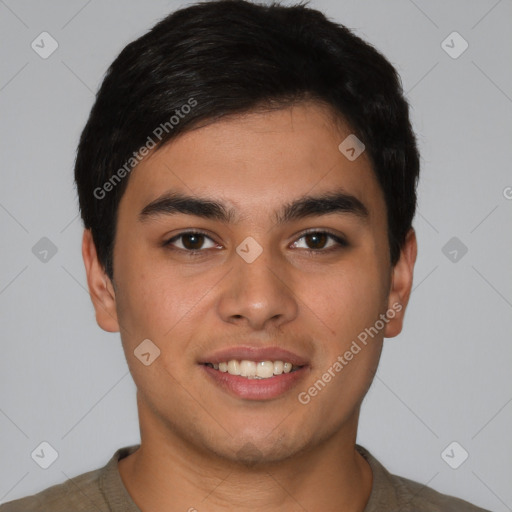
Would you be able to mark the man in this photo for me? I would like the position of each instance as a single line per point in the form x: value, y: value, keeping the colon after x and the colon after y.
x: 247, y: 181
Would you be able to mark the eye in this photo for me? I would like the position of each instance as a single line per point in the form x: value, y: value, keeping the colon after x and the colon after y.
x: 319, y: 238
x: 191, y: 241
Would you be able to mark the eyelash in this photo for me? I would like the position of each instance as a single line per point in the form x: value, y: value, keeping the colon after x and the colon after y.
x: 341, y: 243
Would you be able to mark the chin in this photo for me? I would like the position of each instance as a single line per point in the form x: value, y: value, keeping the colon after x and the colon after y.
x: 254, y: 450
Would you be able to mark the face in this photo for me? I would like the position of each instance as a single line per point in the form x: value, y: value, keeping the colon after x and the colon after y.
x: 216, y: 283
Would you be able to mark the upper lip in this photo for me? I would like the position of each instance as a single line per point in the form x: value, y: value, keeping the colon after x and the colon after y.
x: 249, y: 353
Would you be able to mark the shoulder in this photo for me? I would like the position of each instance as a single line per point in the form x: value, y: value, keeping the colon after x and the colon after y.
x: 78, y: 494
x: 422, y: 498
x: 95, y: 491
x: 392, y: 492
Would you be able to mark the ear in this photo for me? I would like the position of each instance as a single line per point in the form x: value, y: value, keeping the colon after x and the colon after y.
x: 100, y: 287
x: 401, y: 285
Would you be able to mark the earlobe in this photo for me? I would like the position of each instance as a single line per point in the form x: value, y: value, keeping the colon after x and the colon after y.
x: 100, y: 287
x: 401, y: 285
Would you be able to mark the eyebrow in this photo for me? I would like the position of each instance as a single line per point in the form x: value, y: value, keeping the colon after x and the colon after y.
x: 337, y: 202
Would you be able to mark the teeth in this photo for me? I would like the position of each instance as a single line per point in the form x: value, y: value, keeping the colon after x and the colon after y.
x: 253, y: 369
x: 278, y: 367
x: 265, y: 369
x: 234, y: 367
x: 248, y: 369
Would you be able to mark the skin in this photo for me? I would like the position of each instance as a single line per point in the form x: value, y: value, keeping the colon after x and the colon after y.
x: 202, y: 448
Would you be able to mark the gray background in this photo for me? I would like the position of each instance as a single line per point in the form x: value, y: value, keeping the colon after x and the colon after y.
x: 445, y: 378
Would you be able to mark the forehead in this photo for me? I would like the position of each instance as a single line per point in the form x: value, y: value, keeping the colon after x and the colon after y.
x: 256, y: 162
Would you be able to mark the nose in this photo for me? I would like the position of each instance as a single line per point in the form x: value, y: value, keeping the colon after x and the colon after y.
x: 258, y: 293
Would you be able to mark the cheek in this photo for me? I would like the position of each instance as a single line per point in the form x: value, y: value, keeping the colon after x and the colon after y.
x: 348, y: 352
x: 349, y: 302
x: 149, y: 296
x: 160, y: 303
x: 154, y: 306
x: 140, y: 311
x: 350, y: 298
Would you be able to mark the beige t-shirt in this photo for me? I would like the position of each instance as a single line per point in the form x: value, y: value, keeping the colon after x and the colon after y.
x: 102, y: 490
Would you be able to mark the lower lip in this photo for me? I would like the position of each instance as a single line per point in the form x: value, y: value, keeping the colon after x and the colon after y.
x: 255, y: 389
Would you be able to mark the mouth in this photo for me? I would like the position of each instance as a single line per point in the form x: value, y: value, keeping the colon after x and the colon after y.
x: 252, y: 373
x: 255, y: 369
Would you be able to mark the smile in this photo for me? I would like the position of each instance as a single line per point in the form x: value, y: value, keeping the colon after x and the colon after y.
x: 254, y: 369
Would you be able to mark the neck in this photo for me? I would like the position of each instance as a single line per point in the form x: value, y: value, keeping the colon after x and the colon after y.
x: 167, y: 473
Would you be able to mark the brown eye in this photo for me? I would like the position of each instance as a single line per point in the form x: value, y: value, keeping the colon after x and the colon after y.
x: 191, y: 241
x: 317, y: 241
